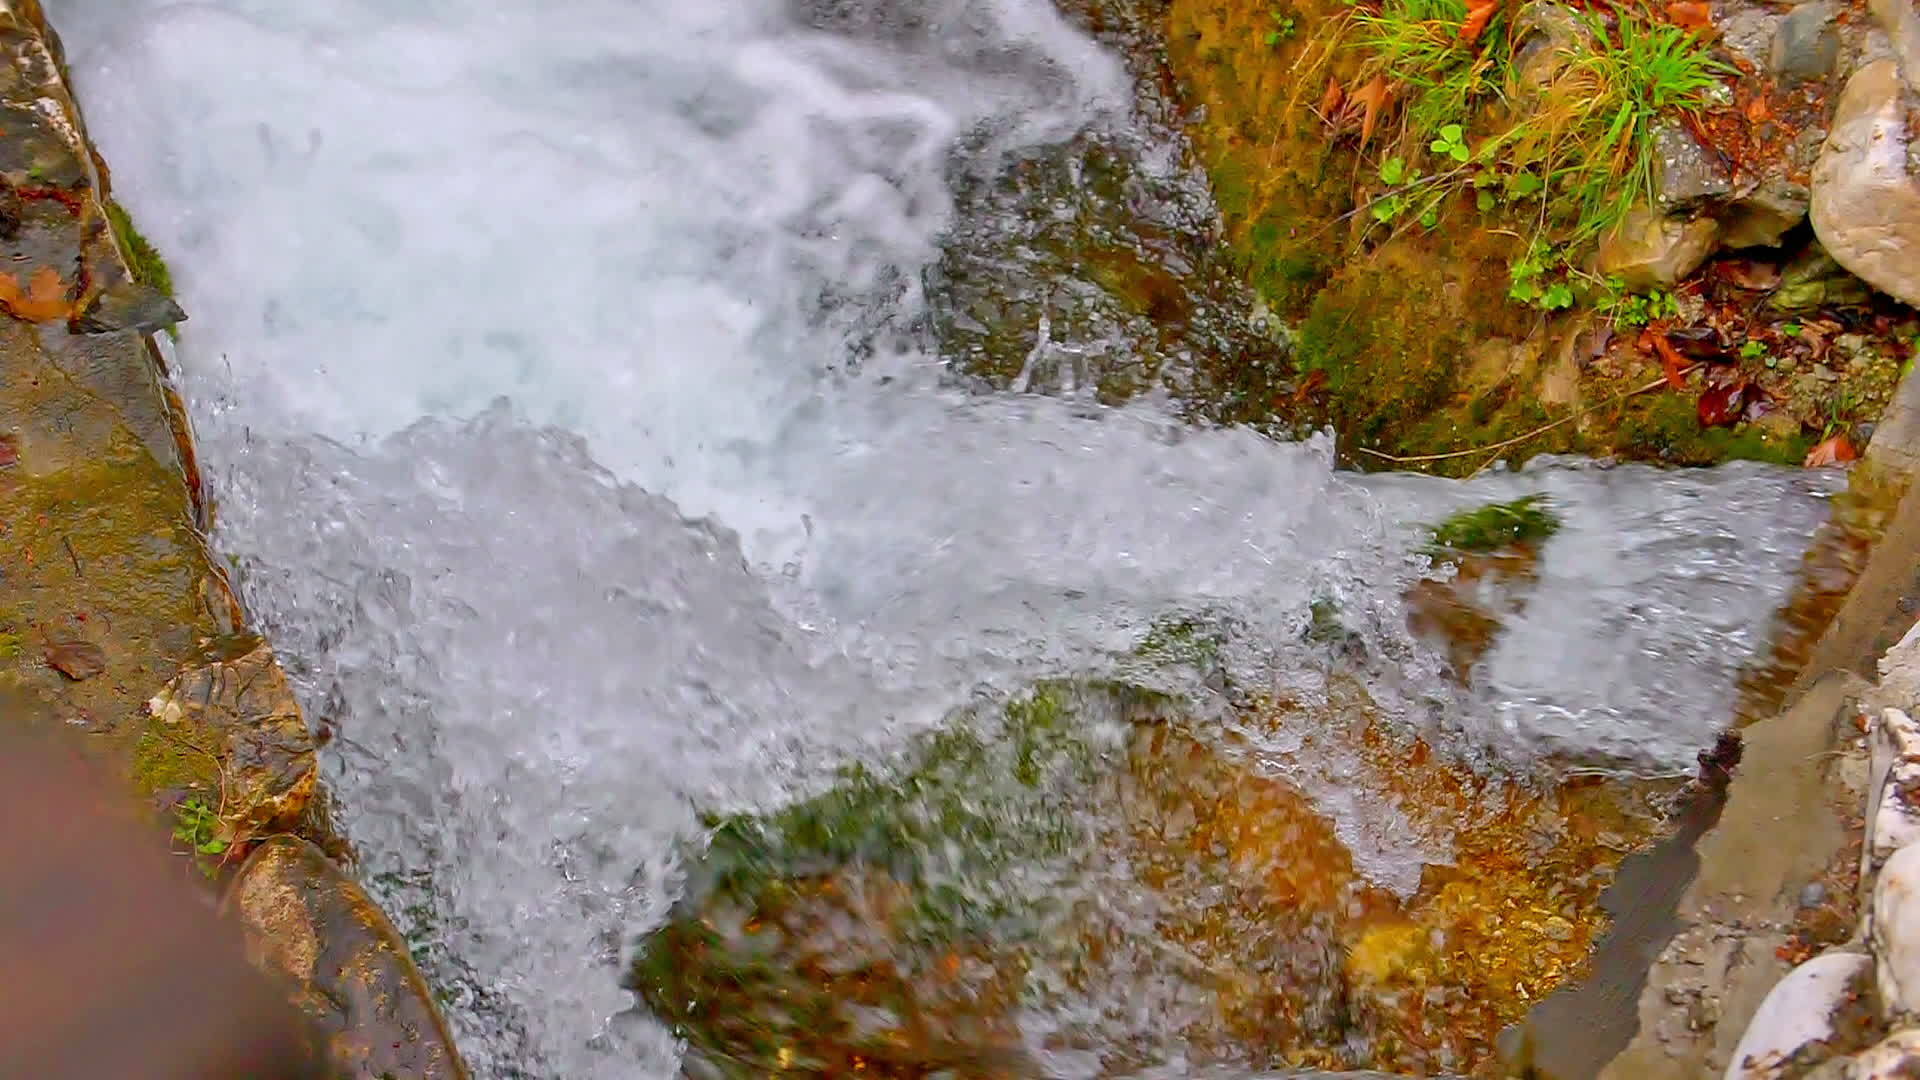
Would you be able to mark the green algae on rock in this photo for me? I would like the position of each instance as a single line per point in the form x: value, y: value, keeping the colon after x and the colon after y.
x: 1525, y: 520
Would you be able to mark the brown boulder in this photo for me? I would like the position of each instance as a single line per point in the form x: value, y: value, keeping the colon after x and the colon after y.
x: 310, y: 925
x: 1866, y: 198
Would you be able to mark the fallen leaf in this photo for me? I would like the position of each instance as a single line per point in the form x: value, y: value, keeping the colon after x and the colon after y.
x: 1330, y: 101
x: 45, y: 298
x: 9, y: 451
x: 1721, y: 405
x: 1758, y: 111
x: 76, y: 660
x: 1370, y: 100
x: 1749, y: 273
x: 1671, y: 364
x: 1835, y: 451
x: 1479, y: 14
x: 1690, y: 14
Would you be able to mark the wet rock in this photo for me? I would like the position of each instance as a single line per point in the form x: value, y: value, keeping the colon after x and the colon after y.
x: 128, y: 306
x: 1866, y: 198
x: 1765, y: 215
x: 1686, y: 173
x: 1804, y: 1008
x: 1545, y: 33
x: 1900, y: 672
x: 1651, y: 250
x: 1748, y: 31
x: 266, y: 752
x: 76, y: 660
x: 1896, y: 932
x: 1815, y: 279
x: 1893, y: 791
x: 1901, y: 22
x: 1807, y: 44
x: 346, y: 968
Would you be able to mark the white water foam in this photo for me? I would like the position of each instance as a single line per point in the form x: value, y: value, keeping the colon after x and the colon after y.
x: 648, y: 226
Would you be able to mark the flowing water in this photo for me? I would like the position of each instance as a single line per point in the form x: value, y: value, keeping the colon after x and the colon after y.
x: 562, y: 374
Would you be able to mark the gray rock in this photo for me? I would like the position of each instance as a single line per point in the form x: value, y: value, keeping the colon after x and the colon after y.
x: 1893, y: 789
x: 1894, y: 1058
x: 1806, y: 45
x: 1685, y: 172
x: 139, y: 308
x: 1544, y: 31
x: 1766, y: 214
x: 1866, y: 201
x: 1748, y: 33
x: 1651, y: 249
x: 1902, y: 25
x: 1801, y: 1009
x: 1895, y: 933
x: 1814, y: 278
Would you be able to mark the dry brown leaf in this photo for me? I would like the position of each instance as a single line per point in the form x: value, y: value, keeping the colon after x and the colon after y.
x: 1371, y: 99
x: 45, y: 298
x: 1330, y: 101
x: 1671, y: 363
x: 76, y: 660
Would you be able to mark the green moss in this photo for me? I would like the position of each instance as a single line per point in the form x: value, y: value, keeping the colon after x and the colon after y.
x: 148, y: 267
x: 1666, y: 427
x: 1497, y: 525
x: 163, y: 761
x: 1180, y: 640
x: 9, y: 646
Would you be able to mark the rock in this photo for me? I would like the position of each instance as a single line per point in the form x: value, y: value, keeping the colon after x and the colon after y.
x: 1893, y: 789
x: 1545, y: 31
x: 1894, y: 1058
x: 1748, y: 32
x: 1866, y: 199
x: 1687, y: 173
x: 1814, y: 279
x: 266, y: 752
x: 346, y: 967
x: 1766, y: 214
x: 1801, y: 1009
x: 140, y: 308
x: 1900, y: 672
x: 1806, y: 45
x: 1650, y: 250
x: 1896, y: 931
x: 1902, y: 25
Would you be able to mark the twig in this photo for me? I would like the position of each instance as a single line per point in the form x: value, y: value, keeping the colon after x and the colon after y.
x: 1541, y: 430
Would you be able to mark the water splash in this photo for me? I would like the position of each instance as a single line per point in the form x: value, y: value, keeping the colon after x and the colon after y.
x: 709, y: 548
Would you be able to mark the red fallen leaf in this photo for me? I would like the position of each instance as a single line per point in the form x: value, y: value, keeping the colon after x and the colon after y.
x: 1331, y: 100
x: 1479, y: 14
x: 76, y: 660
x: 1690, y: 14
x: 1722, y: 405
x: 1835, y: 451
x: 1758, y: 111
x: 9, y: 451
x: 1671, y: 364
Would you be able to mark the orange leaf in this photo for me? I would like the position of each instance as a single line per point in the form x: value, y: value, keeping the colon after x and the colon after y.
x: 1479, y: 14
x: 1835, y: 451
x: 1690, y: 14
x: 45, y: 298
x: 1670, y: 362
x: 1371, y: 98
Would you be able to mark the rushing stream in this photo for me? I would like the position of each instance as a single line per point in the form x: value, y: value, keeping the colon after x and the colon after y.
x: 562, y: 375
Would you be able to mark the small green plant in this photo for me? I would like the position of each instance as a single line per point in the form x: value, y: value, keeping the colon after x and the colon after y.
x: 1635, y: 310
x: 1790, y: 329
x: 1451, y: 142
x: 198, y: 827
x: 1753, y: 350
x: 1283, y: 28
x: 1541, y: 278
x: 1496, y: 525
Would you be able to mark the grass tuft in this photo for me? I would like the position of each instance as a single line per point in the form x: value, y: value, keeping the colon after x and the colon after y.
x: 1497, y: 525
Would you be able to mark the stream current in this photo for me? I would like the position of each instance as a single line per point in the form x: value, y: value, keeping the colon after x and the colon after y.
x: 560, y: 372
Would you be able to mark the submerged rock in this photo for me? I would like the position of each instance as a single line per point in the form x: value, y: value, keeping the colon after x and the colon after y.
x: 1090, y: 879
x: 1866, y: 196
